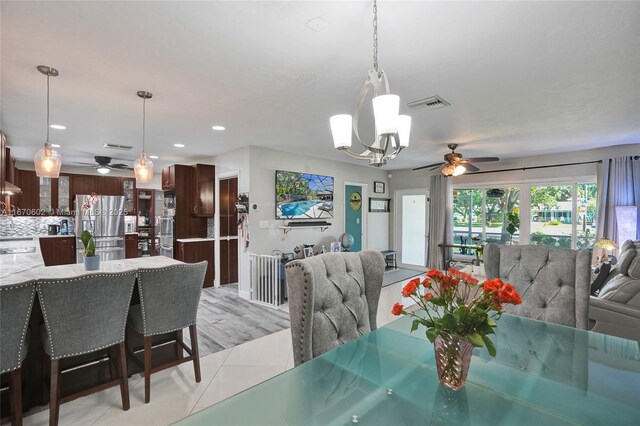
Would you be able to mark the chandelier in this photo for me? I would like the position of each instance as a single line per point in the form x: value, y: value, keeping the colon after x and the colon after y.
x: 143, y: 166
x: 392, y: 130
x: 46, y: 160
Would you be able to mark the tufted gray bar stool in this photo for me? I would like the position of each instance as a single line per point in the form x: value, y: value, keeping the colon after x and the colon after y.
x: 333, y: 298
x: 169, y: 299
x: 82, y: 315
x: 554, y: 283
x: 16, y: 302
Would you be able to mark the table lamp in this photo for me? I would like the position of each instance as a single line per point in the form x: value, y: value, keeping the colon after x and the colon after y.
x: 606, y: 245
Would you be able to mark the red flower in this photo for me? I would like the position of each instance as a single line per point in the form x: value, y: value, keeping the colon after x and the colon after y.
x: 433, y: 273
x: 397, y: 309
x: 508, y: 294
x: 492, y: 285
x: 426, y: 282
x: 428, y: 296
x: 411, y: 287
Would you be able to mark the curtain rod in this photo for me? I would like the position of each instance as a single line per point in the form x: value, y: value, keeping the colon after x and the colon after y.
x: 534, y: 167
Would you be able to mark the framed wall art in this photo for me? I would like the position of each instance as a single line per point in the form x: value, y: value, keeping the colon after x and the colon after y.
x: 378, y: 187
x: 379, y: 205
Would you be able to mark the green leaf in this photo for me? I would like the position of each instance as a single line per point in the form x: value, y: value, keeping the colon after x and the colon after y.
x: 90, y: 250
x: 449, y: 321
x: 415, y: 325
x: 432, y: 333
x: 491, y: 322
x: 438, y: 301
x: 476, y: 340
x: 490, y: 346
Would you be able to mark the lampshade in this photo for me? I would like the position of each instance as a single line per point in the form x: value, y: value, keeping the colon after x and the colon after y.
x: 47, y: 162
x: 103, y: 170
x: 341, y: 130
x: 143, y: 169
x: 606, y: 244
x: 404, y: 130
x: 385, y: 112
x: 459, y: 169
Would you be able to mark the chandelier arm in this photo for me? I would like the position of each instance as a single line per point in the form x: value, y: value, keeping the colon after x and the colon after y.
x: 356, y: 113
x: 395, y: 153
x: 364, y: 156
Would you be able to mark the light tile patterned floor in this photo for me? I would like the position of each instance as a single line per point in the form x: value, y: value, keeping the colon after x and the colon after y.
x: 175, y: 393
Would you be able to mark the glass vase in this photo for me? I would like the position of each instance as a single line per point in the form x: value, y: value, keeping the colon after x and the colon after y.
x: 453, y: 356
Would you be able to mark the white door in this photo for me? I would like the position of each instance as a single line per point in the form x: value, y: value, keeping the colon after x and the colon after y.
x: 412, y: 228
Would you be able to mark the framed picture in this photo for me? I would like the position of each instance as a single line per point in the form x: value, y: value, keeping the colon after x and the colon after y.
x: 335, y: 247
x: 379, y: 205
x: 308, y: 251
x: 378, y: 187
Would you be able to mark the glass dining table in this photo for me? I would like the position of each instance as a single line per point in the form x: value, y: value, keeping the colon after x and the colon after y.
x: 543, y: 374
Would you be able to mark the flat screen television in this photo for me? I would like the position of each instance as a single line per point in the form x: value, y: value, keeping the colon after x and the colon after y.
x: 303, y: 196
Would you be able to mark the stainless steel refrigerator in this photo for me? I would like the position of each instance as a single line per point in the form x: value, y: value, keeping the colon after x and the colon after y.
x: 103, y: 216
x: 164, y: 228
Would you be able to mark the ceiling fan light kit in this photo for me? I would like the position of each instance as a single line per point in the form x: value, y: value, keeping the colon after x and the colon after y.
x: 46, y: 160
x: 392, y: 130
x: 143, y: 166
x: 455, y: 165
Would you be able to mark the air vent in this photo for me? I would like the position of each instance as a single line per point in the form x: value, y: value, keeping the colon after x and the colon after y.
x: 117, y: 147
x: 433, y: 102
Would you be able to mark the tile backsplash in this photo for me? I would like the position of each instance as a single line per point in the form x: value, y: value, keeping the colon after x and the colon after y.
x: 29, y: 226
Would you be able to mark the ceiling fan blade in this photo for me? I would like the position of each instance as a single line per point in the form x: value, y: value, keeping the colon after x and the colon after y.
x: 481, y: 159
x: 86, y: 164
x: 429, y: 166
x: 471, y: 168
x: 120, y: 167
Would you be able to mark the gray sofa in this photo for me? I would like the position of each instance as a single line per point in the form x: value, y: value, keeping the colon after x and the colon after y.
x: 616, y: 308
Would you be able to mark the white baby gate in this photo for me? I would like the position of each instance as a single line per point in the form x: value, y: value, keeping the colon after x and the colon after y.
x: 266, y: 280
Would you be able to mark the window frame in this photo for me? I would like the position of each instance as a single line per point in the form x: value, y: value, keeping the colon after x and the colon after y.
x: 525, y: 201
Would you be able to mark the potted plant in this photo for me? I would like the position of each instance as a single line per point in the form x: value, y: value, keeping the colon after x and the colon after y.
x: 513, y: 223
x: 91, y: 261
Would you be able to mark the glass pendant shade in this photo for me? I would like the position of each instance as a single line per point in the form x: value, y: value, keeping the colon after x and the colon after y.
x: 143, y: 169
x: 404, y: 130
x: 341, y: 126
x: 47, y: 162
x: 103, y: 170
x: 385, y: 112
x: 459, y: 169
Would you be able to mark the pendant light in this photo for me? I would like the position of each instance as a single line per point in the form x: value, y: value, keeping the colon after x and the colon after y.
x: 143, y: 166
x: 47, y: 161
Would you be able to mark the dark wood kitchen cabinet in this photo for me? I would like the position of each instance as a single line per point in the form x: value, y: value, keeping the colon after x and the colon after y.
x: 169, y: 178
x: 204, y: 193
x: 109, y: 185
x: 28, y: 201
x: 197, y: 251
x: 130, y: 246
x: 186, y: 224
x: 228, y: 261
x: 58, y: 250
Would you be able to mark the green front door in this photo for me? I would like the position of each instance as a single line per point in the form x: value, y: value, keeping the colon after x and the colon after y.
x: 353, y: 215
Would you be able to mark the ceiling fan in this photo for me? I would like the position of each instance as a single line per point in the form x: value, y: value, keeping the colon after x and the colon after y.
x: 455, y: 165
x: 103, y: 165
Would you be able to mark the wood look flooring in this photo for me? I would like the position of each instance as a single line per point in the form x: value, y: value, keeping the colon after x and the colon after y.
x: 226, y: 320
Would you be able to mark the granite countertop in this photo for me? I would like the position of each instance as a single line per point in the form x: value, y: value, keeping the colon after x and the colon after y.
x: 194, y: 240
x: 21, y: 267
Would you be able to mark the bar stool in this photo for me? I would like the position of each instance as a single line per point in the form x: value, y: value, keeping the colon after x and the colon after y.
x: 16, y: 302
x: 83, y: 315
x: 169, y: 300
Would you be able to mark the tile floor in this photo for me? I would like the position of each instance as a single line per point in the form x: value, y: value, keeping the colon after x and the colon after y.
x: 174, y: 392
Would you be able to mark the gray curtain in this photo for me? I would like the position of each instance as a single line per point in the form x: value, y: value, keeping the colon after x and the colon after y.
x: 440, y: 220
x: 618, y: 185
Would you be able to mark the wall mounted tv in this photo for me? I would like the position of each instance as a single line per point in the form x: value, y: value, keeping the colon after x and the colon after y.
x: 303, y: 196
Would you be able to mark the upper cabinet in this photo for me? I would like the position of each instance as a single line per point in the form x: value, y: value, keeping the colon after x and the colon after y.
x: 128, y: 186
x: 203, y: 196
x: 169, y: 178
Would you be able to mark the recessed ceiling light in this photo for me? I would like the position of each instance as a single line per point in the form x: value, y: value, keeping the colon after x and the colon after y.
x: 178, y: 145
x: 154, y: 157
x: 219, y: 128
x: 55, y: 145
x: 58, y: 126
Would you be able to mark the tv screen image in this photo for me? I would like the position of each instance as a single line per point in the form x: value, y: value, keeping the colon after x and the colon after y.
x: 303, y: 196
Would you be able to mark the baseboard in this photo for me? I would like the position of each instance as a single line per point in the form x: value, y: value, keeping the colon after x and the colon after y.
x: 245, y: 294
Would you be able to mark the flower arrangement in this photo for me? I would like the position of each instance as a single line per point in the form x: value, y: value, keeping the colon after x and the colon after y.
x: 454, y: 303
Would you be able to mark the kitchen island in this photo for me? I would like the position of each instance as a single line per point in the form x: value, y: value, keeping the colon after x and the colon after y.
x: 83, y: 371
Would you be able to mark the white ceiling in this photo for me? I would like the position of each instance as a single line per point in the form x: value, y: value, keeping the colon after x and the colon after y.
x: 522, y: 78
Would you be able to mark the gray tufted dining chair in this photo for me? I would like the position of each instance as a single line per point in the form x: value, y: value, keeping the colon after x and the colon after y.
x: 554, y: 283
x: 16, y: 302
x: 169, y: 299
x: 333, y: 298
x: 82, y: 315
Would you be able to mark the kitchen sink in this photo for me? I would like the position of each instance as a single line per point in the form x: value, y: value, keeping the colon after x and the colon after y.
x: 17, y: 250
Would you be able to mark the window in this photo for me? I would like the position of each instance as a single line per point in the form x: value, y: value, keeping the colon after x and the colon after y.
x: 548, y: 210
